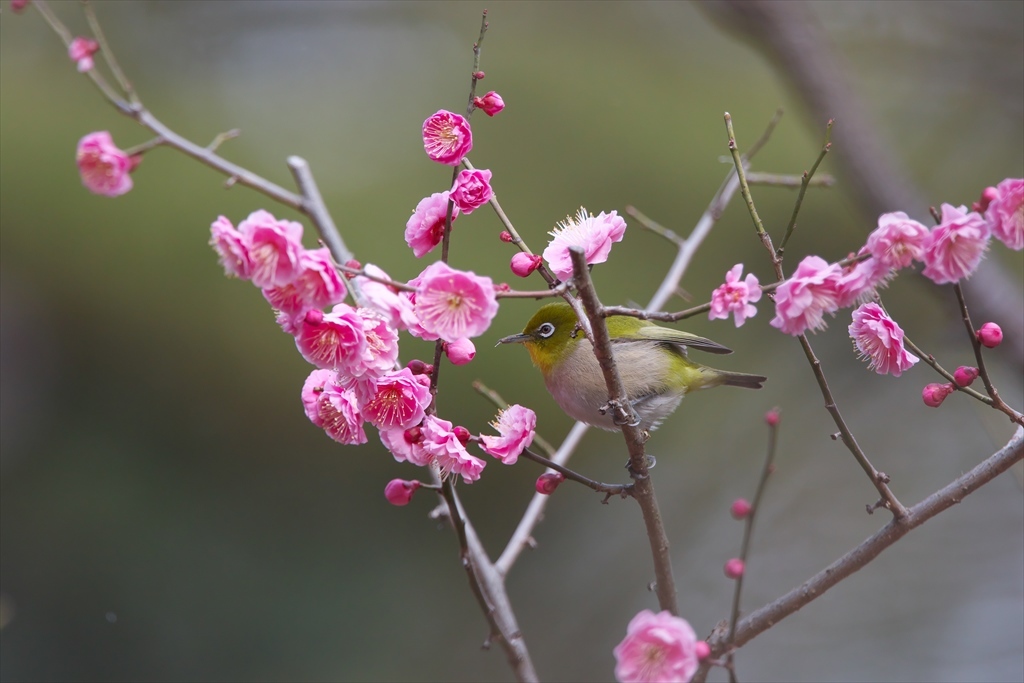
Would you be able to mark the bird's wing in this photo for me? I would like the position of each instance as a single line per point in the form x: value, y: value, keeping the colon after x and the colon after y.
x: 671, y: 336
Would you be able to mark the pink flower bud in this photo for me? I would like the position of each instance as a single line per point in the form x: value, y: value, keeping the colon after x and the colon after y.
x: 399, y: 491
x: 740, y: 508
x: 18, y: 5
x: 479, y: 75
x: 990, y: 335
x: 462, y: 434
x: 490, y: 104
x: 506, y: 236
x: 413, y: 435
x: 418, y: 367
x: 548, y: 482
x: 964, y: 375
x: 734, y: 568
x: 771, y: 418
x: 934, y: 394
x: 81, y: 51
x: 460, y: 351
x: 702, y: 650
x: 502, y: 287
x: 523, y: 264
x: 987, y: 195
x: 314, y: 316
x: 354, y: 265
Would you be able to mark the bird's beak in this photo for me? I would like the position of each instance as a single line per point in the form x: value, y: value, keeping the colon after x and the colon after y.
x: 514, y: 339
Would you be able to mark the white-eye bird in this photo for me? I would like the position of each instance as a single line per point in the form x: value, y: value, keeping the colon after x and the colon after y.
x: 651, y: 360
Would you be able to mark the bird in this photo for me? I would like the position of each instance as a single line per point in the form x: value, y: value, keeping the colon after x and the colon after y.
x: 652, y: 361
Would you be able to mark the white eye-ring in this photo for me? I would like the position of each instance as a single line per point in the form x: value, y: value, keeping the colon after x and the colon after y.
x: 546, y: 330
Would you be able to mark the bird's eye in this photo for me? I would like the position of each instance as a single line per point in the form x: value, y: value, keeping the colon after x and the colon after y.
x: 546, y: 330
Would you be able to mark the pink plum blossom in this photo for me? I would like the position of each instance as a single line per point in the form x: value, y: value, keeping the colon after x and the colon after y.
x: 858, y: 281
x: 454, y: 304
x: 81, y: 51
x: 956, y: 246
x: 381, y: 350
x: 317, y: 285
x: 425, y: 228
x: 523, y: 264
x: 104, y: 167
x: 400, y: 491
x: 384, y: 298
x: 396, y: 400
x: 658, y: 648
x: 594, y: 234
x: 516, y: 426
x: 442, y: 443
x: 472, y: 189
x: 460, y: 351
x: 735, y: 296
x: 880, y: 341
x: 803, y: 299
x: 990, y: 335
x: 275, y: 248
x: 231, y: 250
x: 898, y: 240
x: 333, y: 407
x: 1005, y: 213
x: 399, y: 446
x: 490, y: 104
x: 334, y: 340
x: 447, y: 137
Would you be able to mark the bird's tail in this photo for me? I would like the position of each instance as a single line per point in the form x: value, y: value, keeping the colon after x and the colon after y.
x: 741, y: 379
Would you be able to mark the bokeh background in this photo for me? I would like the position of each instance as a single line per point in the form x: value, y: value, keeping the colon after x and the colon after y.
x: 168, y: 513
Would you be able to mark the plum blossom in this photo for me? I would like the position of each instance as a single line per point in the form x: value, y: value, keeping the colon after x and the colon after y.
x: 317, y: 285
x: 400, y: 491
x: 452, y: 303
x: 104, y: 167
x: 956, y: 246
x: 658, y: 648
x: 880, y: 341
x: 1005, y: 213
x: 490, y: 104
x: 443, y: 445
x: 735, y: 296
x: 515, y: 426
x: 472, y: 189
x: 334, y: 340
x: 332, y: 407
x: 858, y: 281
x: 594, y: 234
x: 898, y: 240
x: 81, y: 51
x: 394, y: 401
x: 425, y: 228
x: 447, y: 137
x: 275, y: 248
x: 523, y: 264
x: 460, y: 351
x: 381, y: 350
x: 231, y: 250
x: 384, y: 298
x: 990, y: 335
x: 803, y: 299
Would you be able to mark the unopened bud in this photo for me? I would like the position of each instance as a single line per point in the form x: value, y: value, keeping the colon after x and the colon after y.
x: 990, y: 335
x: 460, y: 351
x: 734, y: 568
x: 702, y: 650
x: 987, y: 195
x: 502, y: 287
x: 479, y: 75
x: 934, y: 394
x: 314, y: 316
x: 418, y: 367
x: 523, y: 264
x: 354, y: 265
x: 964, y: 375
x: 462, y: 434
x: 771, y: 418
x: 740, y: 508
x: 413, y: 435
x: 399, y: 491
x: 506, y: 236
x: 548, y: 482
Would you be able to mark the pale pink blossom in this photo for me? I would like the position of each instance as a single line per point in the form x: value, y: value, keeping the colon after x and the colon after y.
x: 447, y: 137
x: 381, y: 350
x: 803, y: 299
x: 452, y: 303
x: 898, y: 240
x: 523, y: 264
x: 515, y: 426
x: 230, y: 247
x: 318, y: 285
x: 334, y: 340
x: 956, y: 246
x: 735, y: 296
x: 472, y: 189
x: 1005, y: 213
x: 859, y: 281
x: 425, y: 228
x: 490, y: 104
x: 443, y: 445
x: 384, y: 298
x: 460, y: 351
x: 734, y: 568
x: 333, y: 407
x: 81, y: 51
x: 400, y: 491
x: 594, y: 234
x: 104, y: 167
x: 990, y: 335
x: 275, y: 248
x: 398, y: 445
x: 934, y: 394
x: 880, y: 341
x: 658, y: 648
x: 396, y: 400
x: 548, y: 482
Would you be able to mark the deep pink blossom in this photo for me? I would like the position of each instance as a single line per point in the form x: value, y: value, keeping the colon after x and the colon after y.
x: 594, y: 234
x: 447, y: 137
x: 934, y: 394
x: 735, y: 296
x: 490, y: 104
x: 384, y: 298
x: 523, y: 264
x: 334, y: 340
x: 548, y: 482
x: 452, y: 303
x: 472, y: 189
x: 400, y: 491
x: 1005, y: 213
x: 658, y: 648
x: 332, y: 407
x: 515, y: 426
x: 81, y: 51
x: 396, y: 400
x: 442, y: 443
x: 231, y: 250
x: 803, y: 299
x: 880, y: 341
x: 317, y: 285
x: 956, y: 246
x: 460, y: 351
x: 898, y: 240
x: 425, y: 228
x: 104, y: 167
x: 275, y: 248
x: 990, y: 335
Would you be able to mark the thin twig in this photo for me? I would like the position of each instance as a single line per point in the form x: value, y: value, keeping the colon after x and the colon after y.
x: 826, y: 146
x: 608, y: 489
x: 793, y: 181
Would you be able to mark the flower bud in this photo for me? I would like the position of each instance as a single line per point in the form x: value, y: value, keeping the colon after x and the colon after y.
x: 506, y: 236
x: 771, y: 418
x: 934, y: 394
x: 490, y: 104
x: 479, y: 75
x: 460, y: 351
x: 964, y: 375
x: 462, y: 434
x: 548, y: 482
x: 399, y: 491
x: 523, y: 264
x: 987, y: 195
x: 314, y: 316
x: 740, y: 508
x: 990, y: 335
x: 702, y: 650
x: 413, y: 435
x: 354, y: 265
x: 418, y: 367
x: 734, y: 568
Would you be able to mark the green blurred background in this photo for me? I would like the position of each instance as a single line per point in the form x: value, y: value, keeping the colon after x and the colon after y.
x: 168, y: 513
